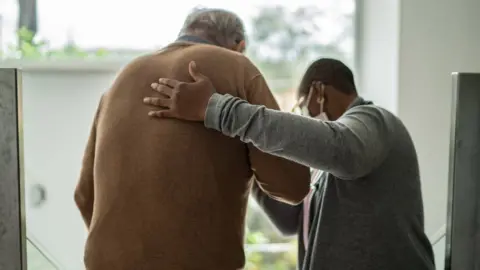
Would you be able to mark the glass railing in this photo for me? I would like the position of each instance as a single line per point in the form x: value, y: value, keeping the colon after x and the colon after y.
x: 438, y: 243
x: 37, y: 259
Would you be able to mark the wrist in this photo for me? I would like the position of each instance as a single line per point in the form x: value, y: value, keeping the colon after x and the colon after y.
x: 213, y: 111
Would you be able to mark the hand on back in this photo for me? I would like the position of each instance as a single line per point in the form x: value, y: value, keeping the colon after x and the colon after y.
x: 181, y: 100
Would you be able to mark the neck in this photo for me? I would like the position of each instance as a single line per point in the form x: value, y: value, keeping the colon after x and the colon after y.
x: 194, y: 39
x: 343, y: 105
x: 202, y: 36
x: 347, y: 102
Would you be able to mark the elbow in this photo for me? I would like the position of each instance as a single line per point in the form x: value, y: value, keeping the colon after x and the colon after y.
x: 291, y: 190
x: 297, y: 193
x: 85, y: 206
x: 80, y: 199
x: 363, y: 159
x: 298, y: 197
x: 301, y: 188
x: 359, y: 155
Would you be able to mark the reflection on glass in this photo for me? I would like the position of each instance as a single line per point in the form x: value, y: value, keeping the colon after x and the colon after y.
x: 36, y: 259
x: 271, y: 260
x: 439, y: 250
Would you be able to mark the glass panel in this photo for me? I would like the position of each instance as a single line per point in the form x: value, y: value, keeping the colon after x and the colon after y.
x: 439, y: 251
x: 271, y: 258
x: 37, y: 260
x: 11, y: 195
x: 462, y: 241
x: 265, y: 248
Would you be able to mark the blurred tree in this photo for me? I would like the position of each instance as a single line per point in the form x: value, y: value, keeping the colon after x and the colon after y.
x: 283, y: 42
x: 27, y: 16
x: 260, y: 231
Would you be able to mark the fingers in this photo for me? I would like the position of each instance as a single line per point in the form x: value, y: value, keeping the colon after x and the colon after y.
x: 164, y: 103
x: 158, y: 102
x: 169, y: 82
x: 193, y: 70
x: 164, y: 89
x: 315, y: 84
x: 161, y: 114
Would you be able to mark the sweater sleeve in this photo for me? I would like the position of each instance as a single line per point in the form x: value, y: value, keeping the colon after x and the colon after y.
x: 348, y: 148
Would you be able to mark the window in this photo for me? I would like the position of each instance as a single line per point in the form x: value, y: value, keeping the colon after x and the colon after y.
x: 283, y: 38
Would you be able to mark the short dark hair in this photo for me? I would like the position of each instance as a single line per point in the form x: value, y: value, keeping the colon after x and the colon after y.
x: 330, y: 72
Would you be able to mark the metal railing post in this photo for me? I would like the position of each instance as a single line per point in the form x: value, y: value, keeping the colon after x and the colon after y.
x: 12, y: 210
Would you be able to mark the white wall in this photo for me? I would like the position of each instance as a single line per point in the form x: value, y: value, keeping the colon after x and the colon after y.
x: 439, y: 250
x: 410, y: 74
x: 377, y: 50
x: 431, y: 49
x: 59, y: 105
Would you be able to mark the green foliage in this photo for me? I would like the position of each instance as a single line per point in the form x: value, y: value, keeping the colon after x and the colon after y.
x: 31, y: 48
x: 260, y: 231
x: 283, y: 42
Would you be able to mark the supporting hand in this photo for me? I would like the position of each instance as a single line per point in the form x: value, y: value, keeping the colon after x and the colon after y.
x: 181, y: 100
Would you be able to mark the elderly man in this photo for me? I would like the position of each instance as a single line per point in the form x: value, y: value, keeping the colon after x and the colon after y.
x: 172, y: 195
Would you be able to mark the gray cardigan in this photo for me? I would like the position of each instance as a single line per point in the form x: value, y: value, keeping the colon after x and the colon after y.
x: 367, y: 213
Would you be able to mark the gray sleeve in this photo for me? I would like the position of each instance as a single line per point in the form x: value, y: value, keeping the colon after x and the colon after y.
x: 285, y: 217
x: 348, y: 148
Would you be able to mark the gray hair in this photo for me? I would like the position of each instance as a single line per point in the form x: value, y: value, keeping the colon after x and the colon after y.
x: 220, y: 26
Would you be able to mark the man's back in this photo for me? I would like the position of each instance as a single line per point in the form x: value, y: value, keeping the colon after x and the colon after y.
x: 172, y: 194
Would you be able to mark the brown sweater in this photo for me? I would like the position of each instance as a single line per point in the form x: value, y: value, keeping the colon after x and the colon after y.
x: 168, y: 194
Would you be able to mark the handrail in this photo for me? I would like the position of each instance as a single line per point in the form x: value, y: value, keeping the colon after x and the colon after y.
x: 42, y: 251
x: 438, y: 235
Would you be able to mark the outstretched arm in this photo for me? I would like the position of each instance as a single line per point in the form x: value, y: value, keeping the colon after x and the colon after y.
x: 349, y: 148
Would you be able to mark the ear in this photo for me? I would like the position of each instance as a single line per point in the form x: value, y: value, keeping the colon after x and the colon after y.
x: 241, y: 47
x: 317, y: 88
x: 322, y: 88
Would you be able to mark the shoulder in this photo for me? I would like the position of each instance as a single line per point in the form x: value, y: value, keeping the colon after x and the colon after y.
x: 372, y: 117
x: 371, y: 111
x: 219, y: 54
x: 215, y: 51
x: 136, y: 65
